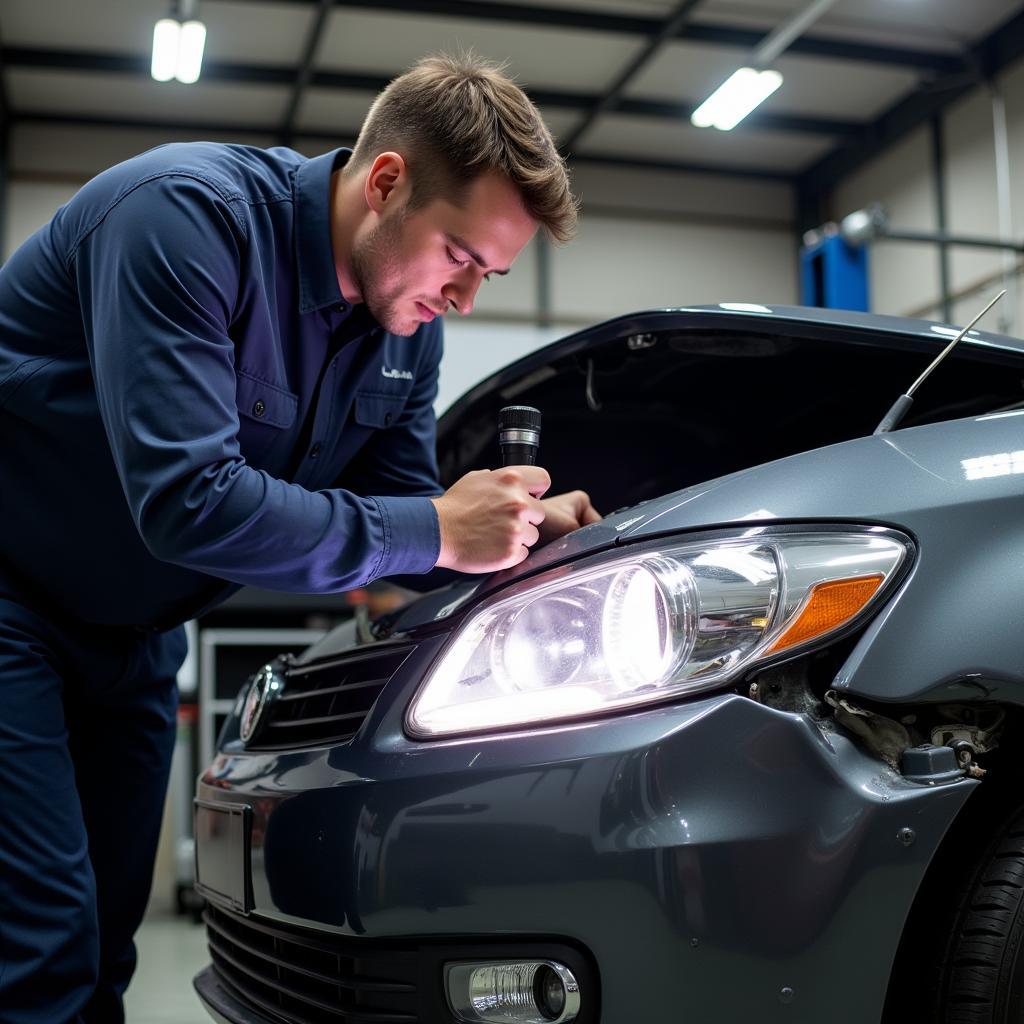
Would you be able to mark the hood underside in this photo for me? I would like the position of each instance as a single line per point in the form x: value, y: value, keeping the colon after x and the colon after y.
x: 653, y: 403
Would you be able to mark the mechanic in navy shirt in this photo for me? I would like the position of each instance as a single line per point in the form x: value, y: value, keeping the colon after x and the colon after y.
x: 217, y: 367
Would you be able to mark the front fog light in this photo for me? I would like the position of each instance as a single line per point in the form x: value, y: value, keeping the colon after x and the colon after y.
x: 514, y: 992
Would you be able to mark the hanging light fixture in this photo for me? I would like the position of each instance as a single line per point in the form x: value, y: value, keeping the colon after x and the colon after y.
x: 178, y: 42
x: 748, y: 88
x: 735, y: 98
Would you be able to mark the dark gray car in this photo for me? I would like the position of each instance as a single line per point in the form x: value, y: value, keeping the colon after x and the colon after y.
x: 743, y: 751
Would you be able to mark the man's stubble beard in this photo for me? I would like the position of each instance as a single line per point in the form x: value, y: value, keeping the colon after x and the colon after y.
x: 374, y: 261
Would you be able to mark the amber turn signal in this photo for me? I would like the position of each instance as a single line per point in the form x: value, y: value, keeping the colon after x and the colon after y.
x: 827, y: 606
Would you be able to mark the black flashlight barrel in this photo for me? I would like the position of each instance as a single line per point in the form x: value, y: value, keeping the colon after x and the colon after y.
x: 519, y: 435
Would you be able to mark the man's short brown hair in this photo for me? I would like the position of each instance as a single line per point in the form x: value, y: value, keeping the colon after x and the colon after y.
x: 455, y: 118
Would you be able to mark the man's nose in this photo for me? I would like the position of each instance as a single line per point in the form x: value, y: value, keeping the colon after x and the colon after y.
x: 460, y: 295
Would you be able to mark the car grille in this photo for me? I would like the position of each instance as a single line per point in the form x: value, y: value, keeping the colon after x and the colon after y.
x: 327, y: 701
x: 303, y: 979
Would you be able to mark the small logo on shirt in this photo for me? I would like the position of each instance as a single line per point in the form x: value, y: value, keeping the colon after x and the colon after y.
x: 386, y: 371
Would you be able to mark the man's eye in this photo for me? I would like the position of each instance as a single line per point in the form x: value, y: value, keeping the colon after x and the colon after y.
x: 452, y: 259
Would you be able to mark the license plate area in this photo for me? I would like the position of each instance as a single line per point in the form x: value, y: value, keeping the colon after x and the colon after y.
x: 223, y: 845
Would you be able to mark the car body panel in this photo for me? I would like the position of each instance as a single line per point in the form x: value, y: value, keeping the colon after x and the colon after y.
x: 709, y: 855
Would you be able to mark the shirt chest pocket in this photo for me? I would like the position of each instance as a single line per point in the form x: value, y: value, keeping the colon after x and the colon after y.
x: 266, y: 419
x: 377, y: 410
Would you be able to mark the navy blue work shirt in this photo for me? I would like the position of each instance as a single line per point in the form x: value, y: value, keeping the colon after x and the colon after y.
x: 163, y: 342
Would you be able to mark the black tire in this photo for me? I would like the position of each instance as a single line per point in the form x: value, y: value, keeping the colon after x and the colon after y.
x: 982, y: 969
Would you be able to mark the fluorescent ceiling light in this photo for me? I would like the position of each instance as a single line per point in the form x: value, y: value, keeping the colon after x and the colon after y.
x: 190, y: 51
x: 165, y: 49
x: 178, y: 50
x: 735, y: 98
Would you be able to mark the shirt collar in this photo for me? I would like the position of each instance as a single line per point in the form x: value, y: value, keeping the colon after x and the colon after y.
x: 318, y: 279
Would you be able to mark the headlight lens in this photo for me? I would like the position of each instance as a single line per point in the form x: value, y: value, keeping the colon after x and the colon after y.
x: 613, y: 632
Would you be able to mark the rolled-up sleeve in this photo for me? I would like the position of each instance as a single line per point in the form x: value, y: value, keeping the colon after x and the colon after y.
x: 158, y: 278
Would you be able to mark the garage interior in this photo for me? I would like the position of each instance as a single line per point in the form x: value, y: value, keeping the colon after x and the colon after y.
x: 911, y: 107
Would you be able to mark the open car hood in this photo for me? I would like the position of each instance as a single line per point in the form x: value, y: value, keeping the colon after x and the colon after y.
x: 651, y: 402
x: 662, y: 416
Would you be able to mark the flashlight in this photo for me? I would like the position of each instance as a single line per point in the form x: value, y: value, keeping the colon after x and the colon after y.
x: 519, y: 435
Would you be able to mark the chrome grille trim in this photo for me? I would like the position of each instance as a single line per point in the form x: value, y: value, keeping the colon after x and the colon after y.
x: 327, y: 701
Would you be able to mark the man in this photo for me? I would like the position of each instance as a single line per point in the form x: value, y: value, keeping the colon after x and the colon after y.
x: 217, y: 367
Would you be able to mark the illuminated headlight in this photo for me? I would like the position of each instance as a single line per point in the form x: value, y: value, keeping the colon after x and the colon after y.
x: 619, y: 630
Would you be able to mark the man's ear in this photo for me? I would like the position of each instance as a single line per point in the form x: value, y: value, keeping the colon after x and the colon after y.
x: 387, y: 182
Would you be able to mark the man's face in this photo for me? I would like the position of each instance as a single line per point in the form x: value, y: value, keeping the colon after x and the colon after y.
x: 414, y: 266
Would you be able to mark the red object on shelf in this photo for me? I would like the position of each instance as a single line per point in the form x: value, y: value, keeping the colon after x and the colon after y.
x: 188, y: 714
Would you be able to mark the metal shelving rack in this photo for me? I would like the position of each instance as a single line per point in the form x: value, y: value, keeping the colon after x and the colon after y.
x: 212, y: 702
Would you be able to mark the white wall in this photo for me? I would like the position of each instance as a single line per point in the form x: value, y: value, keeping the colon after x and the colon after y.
x: 475, y: 349
x: 30, y: 204
x: 905, y: 277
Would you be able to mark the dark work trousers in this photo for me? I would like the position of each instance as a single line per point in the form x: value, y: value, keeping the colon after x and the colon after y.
x: 87, y: 727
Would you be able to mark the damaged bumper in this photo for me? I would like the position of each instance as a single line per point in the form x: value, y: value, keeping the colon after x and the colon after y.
x: 719, y: 856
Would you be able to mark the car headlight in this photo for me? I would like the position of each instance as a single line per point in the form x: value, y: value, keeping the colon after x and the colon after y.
x: 622, y: 629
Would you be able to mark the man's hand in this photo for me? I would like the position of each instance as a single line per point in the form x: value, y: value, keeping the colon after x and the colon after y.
x: 564, y: 513
x: 489, y: 518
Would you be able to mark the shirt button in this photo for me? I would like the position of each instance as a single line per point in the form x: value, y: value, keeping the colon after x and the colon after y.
x: 387, y: 419
x: 341, y: 307
x: 259, y: 408
x: 315, y: 450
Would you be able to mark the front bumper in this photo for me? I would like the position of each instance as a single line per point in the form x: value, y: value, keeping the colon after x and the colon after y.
x: 221, y: 1004
x: 717, y: 859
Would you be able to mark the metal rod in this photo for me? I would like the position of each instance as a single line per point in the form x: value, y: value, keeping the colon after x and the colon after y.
x: 945, y: 238
x: 939, y: 176
x: 949, y: 348
x: 780, y: 39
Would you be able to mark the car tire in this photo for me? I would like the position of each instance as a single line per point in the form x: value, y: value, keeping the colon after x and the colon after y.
x: 982, y: 970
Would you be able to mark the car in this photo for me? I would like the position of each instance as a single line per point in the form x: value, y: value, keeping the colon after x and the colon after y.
x: 744, y: 750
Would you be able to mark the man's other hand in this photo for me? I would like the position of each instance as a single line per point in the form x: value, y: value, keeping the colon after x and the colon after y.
x: 564, y: 513
x: 489, y: 519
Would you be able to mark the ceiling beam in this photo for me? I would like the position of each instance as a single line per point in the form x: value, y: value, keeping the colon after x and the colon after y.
x: 987, y: 59
x: 761, y: 119
x: 313, y: 39
x: 265, y: 74
x: 347, y: 137
x: 638, y: 25
x: 616, y: 91
x: 682, y: 167
x: 193, y: 128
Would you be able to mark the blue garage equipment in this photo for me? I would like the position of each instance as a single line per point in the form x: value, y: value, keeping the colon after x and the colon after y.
x: 834, y: 274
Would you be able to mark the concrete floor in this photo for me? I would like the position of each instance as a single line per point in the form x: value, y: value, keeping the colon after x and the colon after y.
x: 171, y: 950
